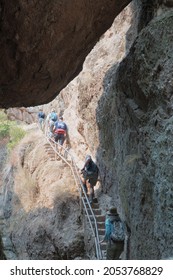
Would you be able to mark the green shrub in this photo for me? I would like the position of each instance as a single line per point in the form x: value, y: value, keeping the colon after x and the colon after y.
x: 3, y: 116
x: 16, y: 134
x: 4, y: 125
x: 10, y: 129
x: 4, y: 130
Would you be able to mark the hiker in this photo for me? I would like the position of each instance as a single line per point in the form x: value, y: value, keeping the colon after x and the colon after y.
x: 89, y: 177
x: 60, y: 132
x: 41, y: 118
x: 51, y: 119
x: 114, y: 235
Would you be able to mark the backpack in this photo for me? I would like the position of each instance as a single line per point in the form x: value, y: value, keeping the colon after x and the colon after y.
x: 117, y: 231
x: 92, y: 168
x: 53, y: 117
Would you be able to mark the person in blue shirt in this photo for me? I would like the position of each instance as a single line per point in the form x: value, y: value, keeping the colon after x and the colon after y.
x: 52, y: 117
x: 60, y: 132
x: 41, y: 118
x: 114, y: 247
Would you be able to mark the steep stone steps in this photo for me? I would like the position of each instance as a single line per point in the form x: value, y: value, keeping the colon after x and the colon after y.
x: 97, y: 212
x: 101, y: 225
x: 100, y: 219
x: 101, y: 231
x: 52, y: 155
x: 103, y: 246
x: 50, y: 152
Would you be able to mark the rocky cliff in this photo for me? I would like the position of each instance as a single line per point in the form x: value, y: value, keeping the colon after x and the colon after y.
x: 125, y: 121
x: 119, y: 109
x: 41, y: 204
x: 144, y: 166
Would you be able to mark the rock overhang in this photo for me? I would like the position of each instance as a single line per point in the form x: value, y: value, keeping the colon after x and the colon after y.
x: 43, y: 45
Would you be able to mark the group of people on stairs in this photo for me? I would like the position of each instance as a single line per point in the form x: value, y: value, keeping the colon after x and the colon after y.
x: 114, y: 227
x: 56, y: 127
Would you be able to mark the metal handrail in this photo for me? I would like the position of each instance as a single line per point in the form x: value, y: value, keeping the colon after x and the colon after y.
x: 83, y: 195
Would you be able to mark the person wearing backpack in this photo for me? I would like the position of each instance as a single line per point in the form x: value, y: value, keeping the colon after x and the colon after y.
x: 114, y: 235
x: 41, y: 118
x: 51, y: 119
x: 60, y: 132
x: 53, y: 115
x: 89, y: 177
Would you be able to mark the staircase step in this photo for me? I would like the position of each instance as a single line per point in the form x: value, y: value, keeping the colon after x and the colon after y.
x: 103, y: 246
x: 104, y: 254
x: 95, y: 211
x: 101, y: 231
x: 95, y: 206
x: 50, y: 152
x: 100, y: 218
x: 101, y: 225
x: 46, y: 144
x: 50, y: 148
x: 52, y: 156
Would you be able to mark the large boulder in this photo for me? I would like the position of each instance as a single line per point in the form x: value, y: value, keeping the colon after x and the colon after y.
x: 43, y: 45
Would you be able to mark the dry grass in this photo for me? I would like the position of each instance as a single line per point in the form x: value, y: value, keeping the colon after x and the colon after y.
x: 39, y: 182
x: 25, y: 189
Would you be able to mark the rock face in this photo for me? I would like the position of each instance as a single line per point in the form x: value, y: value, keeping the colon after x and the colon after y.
x: 42, y: 198
x: 78, y: 102
x: 22, y: 114
x: 120, y: 111
x: 144, y: 123
x: 41, y: 220
x: 44, y: 43
x: 125, y: 121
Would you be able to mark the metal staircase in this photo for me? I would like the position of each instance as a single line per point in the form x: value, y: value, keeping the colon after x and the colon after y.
x: 92, y: 214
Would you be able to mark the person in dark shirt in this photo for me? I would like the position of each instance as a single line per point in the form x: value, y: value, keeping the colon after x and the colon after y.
x: 89, y: 176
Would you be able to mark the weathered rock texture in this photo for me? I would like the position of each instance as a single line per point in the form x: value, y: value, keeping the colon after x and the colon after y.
x: 41, y: 205
x: 43, y: 45
x: 79, y: 100
x: 121, y: 113
x: 22, y: 114
x: 143, y: 139
x: 129, y: 131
